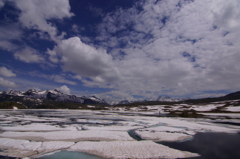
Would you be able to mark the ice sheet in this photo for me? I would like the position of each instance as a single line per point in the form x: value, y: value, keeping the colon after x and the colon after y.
x: 24, y: 148
x: 130, y: 149
x: 34, y: 127
x: 89, y: 135
x: 162, y: 136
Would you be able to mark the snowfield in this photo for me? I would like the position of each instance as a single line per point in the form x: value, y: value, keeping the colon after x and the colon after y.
x: 32, y: 133
x: 130, y: 149
x: 70, y: 136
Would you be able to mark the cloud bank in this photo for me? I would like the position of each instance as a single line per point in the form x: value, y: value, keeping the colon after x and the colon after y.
x: 161, y: 47
x: 173, y: 47
x: 165, y: 47
x: 34, y: 15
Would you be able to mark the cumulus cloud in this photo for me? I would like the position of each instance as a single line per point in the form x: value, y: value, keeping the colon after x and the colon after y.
x: 85, y: 60
x: 6, y: 72
x: 7, y: 84
x: 64, y: 89
x: 28, y: 55
x: 113, y: 97
x: 35, y: 15
x: 173, y: 47
x: 159, y: 47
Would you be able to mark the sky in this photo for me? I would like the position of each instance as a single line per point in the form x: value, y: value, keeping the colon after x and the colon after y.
x: 121, y: 49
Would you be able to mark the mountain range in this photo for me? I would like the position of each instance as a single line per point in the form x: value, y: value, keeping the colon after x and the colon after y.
x: 35, y: 99
x: 39, y: 99
x: 160, y: 99
x: 169, y: 99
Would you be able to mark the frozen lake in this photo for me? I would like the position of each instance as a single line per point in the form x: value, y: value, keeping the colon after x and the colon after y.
x: 107, y: 134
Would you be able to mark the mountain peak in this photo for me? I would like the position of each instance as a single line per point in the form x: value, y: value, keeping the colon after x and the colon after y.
x: 168, y: 99
x: 38, y: 97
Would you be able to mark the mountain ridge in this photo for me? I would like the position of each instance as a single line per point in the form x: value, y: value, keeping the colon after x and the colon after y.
x: 33, y: 98
x: 36, y: 99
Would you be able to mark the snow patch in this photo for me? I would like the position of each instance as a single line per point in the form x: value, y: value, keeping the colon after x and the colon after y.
x: 233, y: 108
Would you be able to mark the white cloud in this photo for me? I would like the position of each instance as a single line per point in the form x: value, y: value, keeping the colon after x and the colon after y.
x: 6, y: 45
x: 207, y: 95
x: 85, y: 60
x: 61, y: 79
x: 7, y: 34
x: 97, y: 12
x: 34, y: 14
x: 169, y: 47
x: 6, y: 83
x: 64, y: 89
x: 174, y: 47
x: 77, y: 29
x: 113, y: 97
x: 78, y: 77
x: 25, y: 84
x: 6, y: 72
x: 226, y: 14
x: 10, y: 32
x: 52, y: 56
x: 28, y: 55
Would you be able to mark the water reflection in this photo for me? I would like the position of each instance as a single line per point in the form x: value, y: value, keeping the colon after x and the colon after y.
x: 70, y: 155
x: 211, y: 145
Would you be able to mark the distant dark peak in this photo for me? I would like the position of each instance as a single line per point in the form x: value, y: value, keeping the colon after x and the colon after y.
x: 124, y: 102
x: 33, y: 90
x: 30, y: 92
x: 51, y: 96
x: 58, y: 91
x: 168, y: 99
x: 233, y: 94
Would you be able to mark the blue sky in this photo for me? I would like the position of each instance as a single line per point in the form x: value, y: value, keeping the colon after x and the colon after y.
x: 121, y: 49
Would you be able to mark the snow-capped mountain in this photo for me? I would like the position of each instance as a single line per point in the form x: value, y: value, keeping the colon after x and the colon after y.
x: 168, y: 99
x: 38, y: 97
x: 14, y: 93
x: 124, y: 102
x: 54, y: 95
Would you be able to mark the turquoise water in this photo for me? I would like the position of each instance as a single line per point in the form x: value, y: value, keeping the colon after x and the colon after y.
x: 70, y: 155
